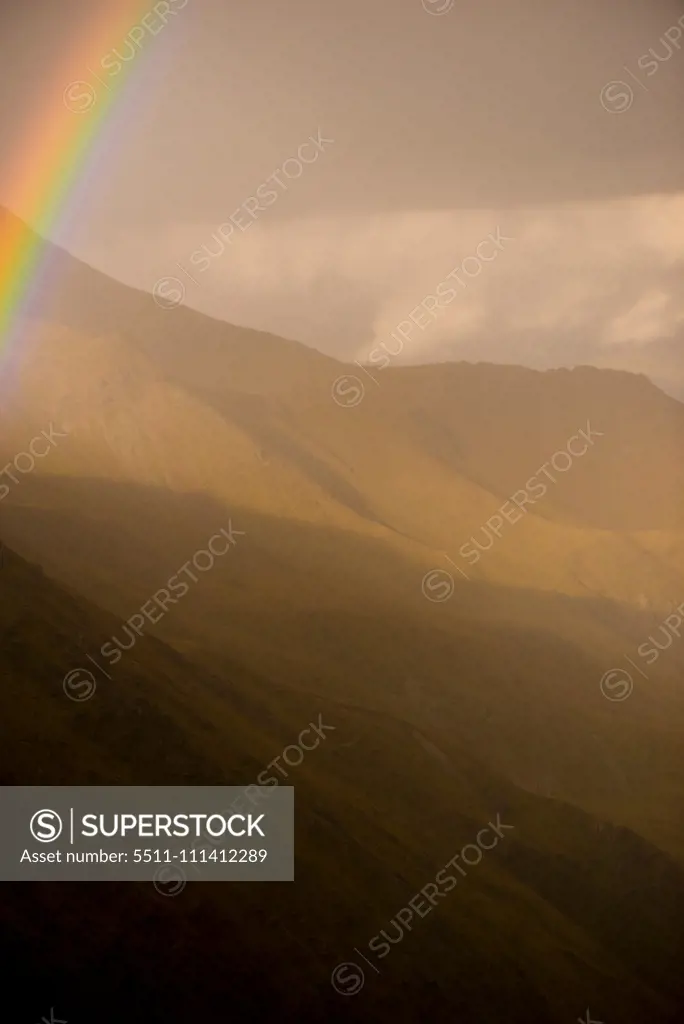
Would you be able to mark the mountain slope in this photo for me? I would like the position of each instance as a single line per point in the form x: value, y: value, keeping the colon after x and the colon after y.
x: 458, y: 690
x: 345, y: 510
x: 543, y: 911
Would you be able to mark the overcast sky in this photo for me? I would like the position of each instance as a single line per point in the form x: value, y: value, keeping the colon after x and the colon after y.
x: 449, y: 121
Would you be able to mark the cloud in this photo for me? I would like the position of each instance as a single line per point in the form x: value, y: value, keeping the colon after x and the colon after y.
x: 653, y: 316
x: 576, y: 282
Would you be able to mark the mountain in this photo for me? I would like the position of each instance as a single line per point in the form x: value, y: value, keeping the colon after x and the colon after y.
x: 458, y: 688
x: 379, y: 809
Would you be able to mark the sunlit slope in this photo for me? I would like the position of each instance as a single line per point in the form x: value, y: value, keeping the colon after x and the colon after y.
x: 394, y: 464
x: 179, y: 429
x: 173, y: 398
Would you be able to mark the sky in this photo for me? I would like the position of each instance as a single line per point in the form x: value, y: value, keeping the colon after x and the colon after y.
x: 556, y: 126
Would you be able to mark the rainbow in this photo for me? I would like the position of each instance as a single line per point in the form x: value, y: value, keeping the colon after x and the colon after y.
x: 55, y: 153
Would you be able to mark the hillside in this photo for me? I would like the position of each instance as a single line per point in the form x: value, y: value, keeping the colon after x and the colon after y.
x: 458, y: 689
x: 379, y: 809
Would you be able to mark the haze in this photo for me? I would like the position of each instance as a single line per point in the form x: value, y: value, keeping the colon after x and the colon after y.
x: 445, y: 126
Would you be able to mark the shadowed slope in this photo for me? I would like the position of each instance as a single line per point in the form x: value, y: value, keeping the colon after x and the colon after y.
x: 377, y: 816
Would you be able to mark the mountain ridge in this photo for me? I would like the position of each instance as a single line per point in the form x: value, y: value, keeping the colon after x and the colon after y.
x: 458, y: 689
